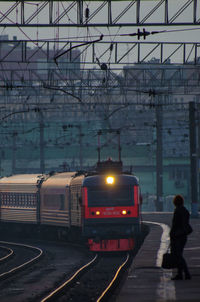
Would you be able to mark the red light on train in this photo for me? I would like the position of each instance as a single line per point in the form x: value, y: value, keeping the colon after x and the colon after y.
x: 97, y: 213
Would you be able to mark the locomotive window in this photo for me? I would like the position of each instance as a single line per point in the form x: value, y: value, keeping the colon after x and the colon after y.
x: 110, y: 196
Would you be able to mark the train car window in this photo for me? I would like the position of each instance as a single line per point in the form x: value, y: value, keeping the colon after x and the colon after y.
x: 18, y: 200
x: 110, y: 196
x: 54, y: 202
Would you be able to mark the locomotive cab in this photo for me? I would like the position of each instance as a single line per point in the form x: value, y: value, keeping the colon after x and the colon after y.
x: 111, y: 217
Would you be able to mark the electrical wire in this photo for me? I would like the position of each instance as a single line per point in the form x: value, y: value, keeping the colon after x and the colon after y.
x: 63, y: 39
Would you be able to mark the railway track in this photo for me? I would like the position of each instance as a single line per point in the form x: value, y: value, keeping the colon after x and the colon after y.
x: 8, y: 252
x: 61, y: 263
x: 94, y: 281
x: 24, y: 256
x: 34, y: 281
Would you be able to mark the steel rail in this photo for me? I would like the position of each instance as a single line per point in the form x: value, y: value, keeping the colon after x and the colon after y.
x: 19, y: 267
x: 70, y: 280
x: 10, y: 253
x: 114, y: 279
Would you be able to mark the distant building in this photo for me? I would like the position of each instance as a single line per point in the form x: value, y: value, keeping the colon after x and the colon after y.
x: 21, y: 62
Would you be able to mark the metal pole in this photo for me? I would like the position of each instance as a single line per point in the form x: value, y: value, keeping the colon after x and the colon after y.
x: 193, y: 161
x: 159, y: 158
x: 99, y: 146
x: 119, y: 145
x: 80, y: 151
x: 1, y: 155
x: 42, y: 164
x: 14, y: 149
x: 198, y: 138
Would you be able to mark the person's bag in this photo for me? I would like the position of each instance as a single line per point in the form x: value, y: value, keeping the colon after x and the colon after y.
x: 184, y: 231
x: 188, y: 229
x: 169, y: 260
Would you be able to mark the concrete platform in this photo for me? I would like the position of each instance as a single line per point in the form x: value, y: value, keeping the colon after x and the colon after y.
x: 147, y: 281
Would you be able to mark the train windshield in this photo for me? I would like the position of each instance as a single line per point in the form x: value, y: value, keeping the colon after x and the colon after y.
x: 110, y: 196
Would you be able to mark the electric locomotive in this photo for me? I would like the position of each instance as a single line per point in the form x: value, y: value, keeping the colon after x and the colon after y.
x: 111, y: 208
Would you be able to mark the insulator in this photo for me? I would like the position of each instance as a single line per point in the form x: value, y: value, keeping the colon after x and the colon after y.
x: 87, y: 13
x: 104, y: 66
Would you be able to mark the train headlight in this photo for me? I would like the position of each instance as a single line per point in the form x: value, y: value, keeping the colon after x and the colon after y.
x: 110, y: 180
x: 97, y: 212
x: 124, y: 212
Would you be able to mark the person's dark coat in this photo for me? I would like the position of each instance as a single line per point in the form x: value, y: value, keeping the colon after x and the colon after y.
x: 180, y: 222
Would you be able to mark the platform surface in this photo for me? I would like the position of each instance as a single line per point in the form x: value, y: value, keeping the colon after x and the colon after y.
x: 147, y: 281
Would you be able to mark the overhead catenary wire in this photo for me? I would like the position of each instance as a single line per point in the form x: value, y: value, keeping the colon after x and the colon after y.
x: 110, y: 35
x: 115, y: 35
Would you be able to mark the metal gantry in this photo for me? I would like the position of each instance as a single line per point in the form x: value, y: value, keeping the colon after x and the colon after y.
x: 72, y: 65
x: 115, y: 13
x: 144, y: 67
x: 114, y: 53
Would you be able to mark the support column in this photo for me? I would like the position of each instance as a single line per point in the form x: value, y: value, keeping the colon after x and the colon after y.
x: 193, y: 161
x: 14, y: 149
x: 80, y: 146
x: 159, y: 157
x: 198, y: 149
x: 42, y: 163
x: 80, y: 11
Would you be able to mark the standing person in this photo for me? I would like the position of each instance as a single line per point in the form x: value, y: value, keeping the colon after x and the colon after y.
x: 178, y: 236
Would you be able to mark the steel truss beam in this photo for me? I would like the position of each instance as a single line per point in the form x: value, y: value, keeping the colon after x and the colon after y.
x: 141, y: 77
x: 99, y: 13
x: 144, y: 80
x: 111, y: 53
x: 127, y: 68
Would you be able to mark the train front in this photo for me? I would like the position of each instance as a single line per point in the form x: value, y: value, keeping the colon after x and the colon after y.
x: 111, y: 210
